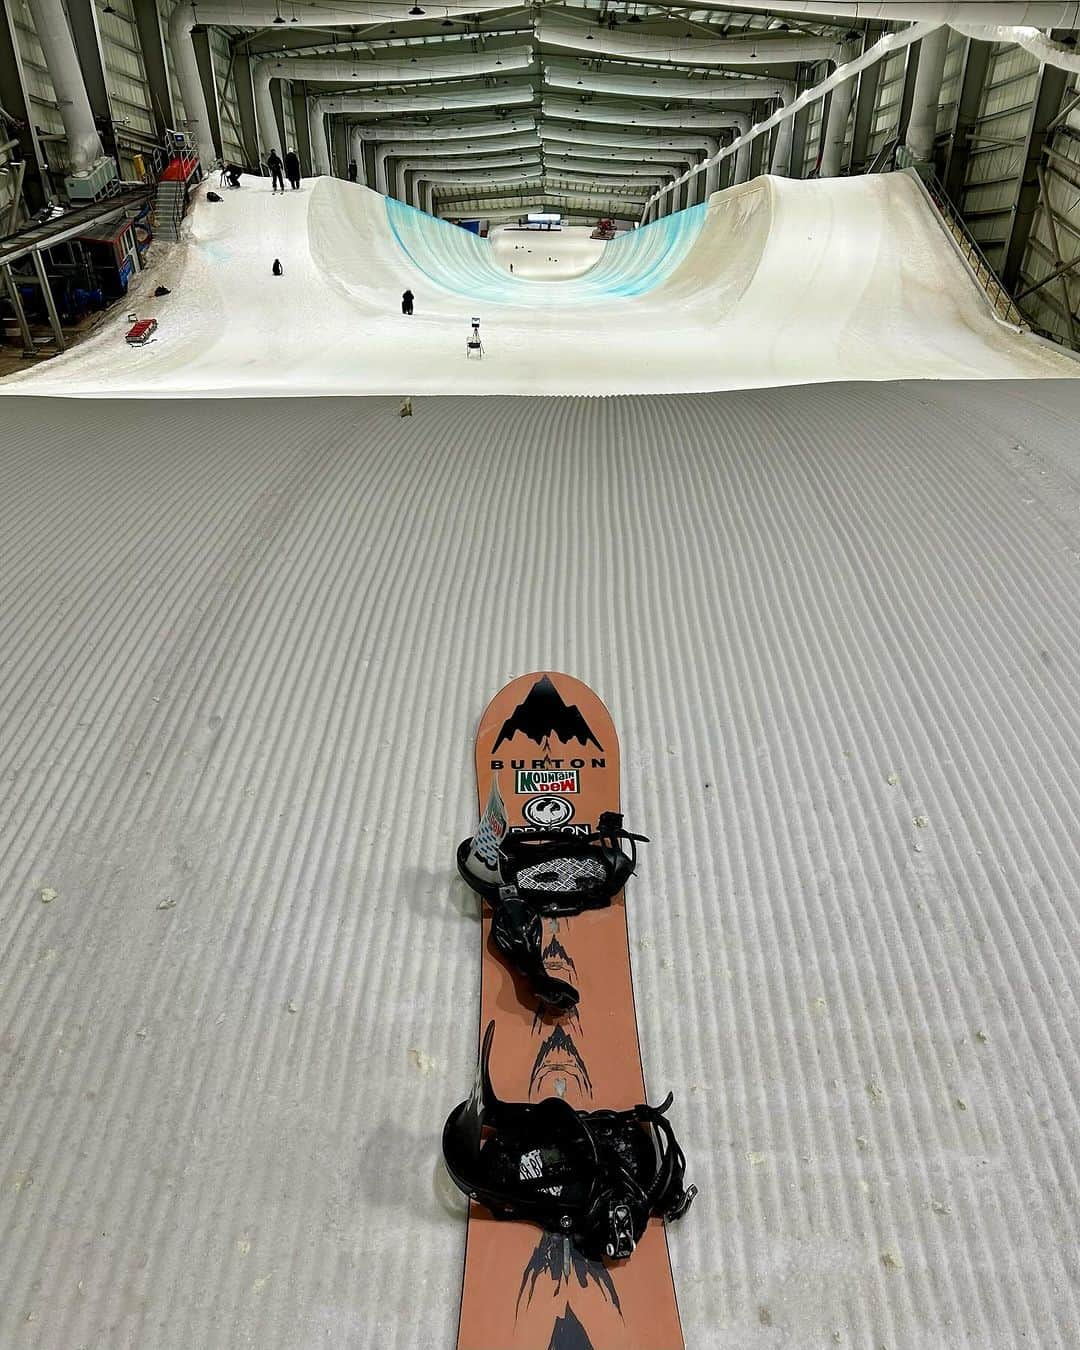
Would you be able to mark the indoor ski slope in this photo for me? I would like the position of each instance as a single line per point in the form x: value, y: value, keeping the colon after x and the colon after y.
x: 775, y: 282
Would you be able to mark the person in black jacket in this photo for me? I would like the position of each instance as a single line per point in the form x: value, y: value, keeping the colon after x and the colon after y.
x: 273, y: 163
x: 406, y: 302
x: 292, y: 167
x: 353, y: 171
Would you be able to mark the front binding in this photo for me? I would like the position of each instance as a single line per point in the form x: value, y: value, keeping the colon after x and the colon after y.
x: 595, y: 1177
x: 545, y: 874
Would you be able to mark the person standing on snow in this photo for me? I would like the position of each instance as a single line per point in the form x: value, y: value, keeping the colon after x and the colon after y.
x: 273, y: 163
x: 406, y: 302
x: 292, y: 167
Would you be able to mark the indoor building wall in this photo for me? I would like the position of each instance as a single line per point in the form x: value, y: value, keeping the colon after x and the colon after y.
x: 996, y: 157
x: 1055, y: 233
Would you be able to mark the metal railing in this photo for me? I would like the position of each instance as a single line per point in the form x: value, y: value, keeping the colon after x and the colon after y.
x: 1001, y: 302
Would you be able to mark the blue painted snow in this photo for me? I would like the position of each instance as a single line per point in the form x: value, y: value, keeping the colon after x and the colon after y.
x: 461, y: 262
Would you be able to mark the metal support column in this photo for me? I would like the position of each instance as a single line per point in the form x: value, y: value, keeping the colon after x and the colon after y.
x: 921, y: 130
x: 339, y: 148
x: 245, y: 104
x: 1063, y: 267
x: 13, y: 98
x: 54, y: 34
x: 277, y: 98
x: 204, y: 59
x: 834, y: 123
x: 865, y: 101
x: 1048, y: 97
x: 82, y: 16
x: 907, y: 93
x: 300, y: 121
x: 20, y: 313
x: 148, y: 26
x: 799, y: 129
x: 759, y: 148
x: 50, y: 303
x: 973, y: 72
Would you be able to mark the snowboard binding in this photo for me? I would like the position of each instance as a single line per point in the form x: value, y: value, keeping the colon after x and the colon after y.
x: 550, y: 874
x: 595, y: 1177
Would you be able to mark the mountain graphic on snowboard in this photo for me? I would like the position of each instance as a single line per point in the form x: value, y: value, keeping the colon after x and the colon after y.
x: 543, y: 713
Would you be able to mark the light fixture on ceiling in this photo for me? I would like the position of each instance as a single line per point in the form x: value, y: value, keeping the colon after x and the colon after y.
x: 108, y: 8
x: 588, y: 37
x: 416, y: 12
x: 447, y: 22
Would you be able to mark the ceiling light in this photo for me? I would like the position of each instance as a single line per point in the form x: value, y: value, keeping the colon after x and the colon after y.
x: 416, y: 11
x: 108, y: 9
x: 447, y: 22
x: 279, y: 19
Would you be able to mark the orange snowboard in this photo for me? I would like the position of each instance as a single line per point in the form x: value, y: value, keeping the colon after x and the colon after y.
x: 551, y: 744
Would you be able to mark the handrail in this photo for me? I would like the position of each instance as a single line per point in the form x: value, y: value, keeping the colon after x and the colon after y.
x: 1001, y: 302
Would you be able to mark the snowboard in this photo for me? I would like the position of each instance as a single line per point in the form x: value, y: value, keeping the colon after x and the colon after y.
x: 550, y: 744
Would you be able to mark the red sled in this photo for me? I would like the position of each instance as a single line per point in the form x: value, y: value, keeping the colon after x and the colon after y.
x: 141, y: 332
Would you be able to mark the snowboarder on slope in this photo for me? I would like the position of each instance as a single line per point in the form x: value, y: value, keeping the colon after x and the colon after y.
x: 273, y: 163
x: 292, y: 167
x: 406, y: 302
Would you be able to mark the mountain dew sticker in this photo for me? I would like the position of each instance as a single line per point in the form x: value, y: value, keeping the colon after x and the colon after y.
x: 483, y: 857
x: 546, y: 780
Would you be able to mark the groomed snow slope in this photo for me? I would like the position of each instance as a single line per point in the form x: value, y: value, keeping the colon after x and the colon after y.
x: 572, y: 251
x: 243, y: 649
x: 776, y: 282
